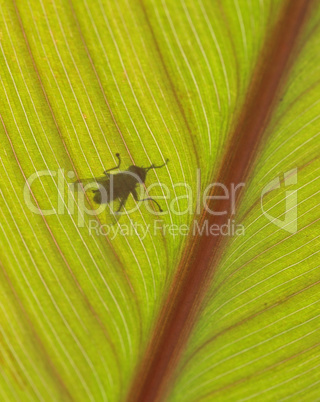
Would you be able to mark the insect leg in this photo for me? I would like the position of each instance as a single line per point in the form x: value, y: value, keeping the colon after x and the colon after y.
x: 151, y: 199
x: 122, y: 203
x: 135, y: 196
x: 114, y: 168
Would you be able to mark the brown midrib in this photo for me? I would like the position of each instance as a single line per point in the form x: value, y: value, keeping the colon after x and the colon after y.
x: 202, y: 254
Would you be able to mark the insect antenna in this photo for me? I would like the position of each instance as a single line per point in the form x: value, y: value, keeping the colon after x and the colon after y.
x: 151, y: 199
x: 157, y: 167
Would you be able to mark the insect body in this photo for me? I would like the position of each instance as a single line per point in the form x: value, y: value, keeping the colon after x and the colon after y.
x: 120, y: 185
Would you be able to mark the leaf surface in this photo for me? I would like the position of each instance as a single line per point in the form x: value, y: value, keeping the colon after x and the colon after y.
x: 81, y: 81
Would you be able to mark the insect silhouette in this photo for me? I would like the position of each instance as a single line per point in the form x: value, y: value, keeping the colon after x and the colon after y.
x: 119, y: 186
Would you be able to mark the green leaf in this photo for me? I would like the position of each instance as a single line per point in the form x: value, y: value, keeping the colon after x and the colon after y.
x: 87, y: 301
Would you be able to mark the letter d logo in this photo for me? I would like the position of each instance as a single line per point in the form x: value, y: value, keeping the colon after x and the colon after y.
x: 290, y: 222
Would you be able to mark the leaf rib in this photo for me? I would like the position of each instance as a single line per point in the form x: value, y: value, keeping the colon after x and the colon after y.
x: 200, y: 259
